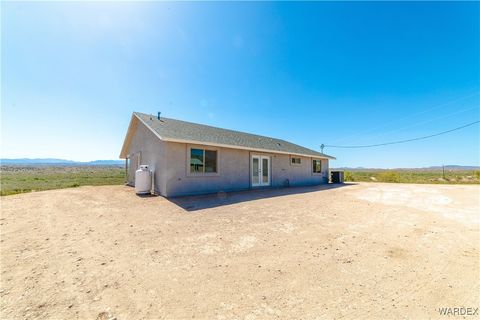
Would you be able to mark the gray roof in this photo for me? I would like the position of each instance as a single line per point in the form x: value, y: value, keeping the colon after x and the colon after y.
x: 181, y: 130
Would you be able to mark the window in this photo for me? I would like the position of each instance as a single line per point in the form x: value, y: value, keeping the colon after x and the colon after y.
x: 210, y: 161
x: 196, y: 160
x: 317, y: 166
x: 296, y: 160
x: 203, y: 161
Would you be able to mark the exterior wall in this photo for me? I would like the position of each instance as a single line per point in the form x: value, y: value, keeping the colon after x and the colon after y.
x: 233, y: 171
x: 233, y: 167
x: 151, y: 151
x: 297, y: 175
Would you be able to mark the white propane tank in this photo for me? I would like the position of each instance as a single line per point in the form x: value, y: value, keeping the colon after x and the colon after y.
x: 143, y: 180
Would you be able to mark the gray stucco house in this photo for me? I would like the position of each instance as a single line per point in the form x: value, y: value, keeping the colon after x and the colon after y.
x: 189, y: 158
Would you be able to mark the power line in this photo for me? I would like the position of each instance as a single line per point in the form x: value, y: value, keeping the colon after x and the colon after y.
x: 473, y: 94
x: 406, y: 140
x: 425, y: 121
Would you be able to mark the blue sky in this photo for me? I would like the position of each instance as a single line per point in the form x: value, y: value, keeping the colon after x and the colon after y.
x: 309, y: 72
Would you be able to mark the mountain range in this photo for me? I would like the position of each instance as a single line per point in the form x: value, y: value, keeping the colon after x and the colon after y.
x: 450, y: 167
x: 54, y: 161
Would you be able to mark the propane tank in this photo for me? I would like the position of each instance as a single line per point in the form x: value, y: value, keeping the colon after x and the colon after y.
x: 143, y: 180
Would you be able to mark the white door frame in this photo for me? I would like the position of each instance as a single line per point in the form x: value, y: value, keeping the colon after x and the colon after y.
x: 260, y: 170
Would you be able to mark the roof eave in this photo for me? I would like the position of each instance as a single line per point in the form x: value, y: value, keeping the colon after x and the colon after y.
x: 128, y: 136
x: 246, y: 148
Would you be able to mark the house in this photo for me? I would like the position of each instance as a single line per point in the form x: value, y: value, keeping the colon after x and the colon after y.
x: 189, y: 158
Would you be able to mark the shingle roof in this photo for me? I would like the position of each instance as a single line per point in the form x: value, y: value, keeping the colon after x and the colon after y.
x: 171, y: 129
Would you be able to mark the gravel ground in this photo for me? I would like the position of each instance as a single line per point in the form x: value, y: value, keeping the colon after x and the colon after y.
x: 363, y: 251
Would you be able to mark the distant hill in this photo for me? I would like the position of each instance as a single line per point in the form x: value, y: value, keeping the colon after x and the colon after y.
x: 453, y: 167
x: 106, y: 162
x: 433, y: 168
x: 54, y: 161
x: 35, y: 161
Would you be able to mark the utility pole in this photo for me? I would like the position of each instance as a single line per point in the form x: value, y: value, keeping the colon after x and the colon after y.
x: 321, y: 147
x: 443, y: 167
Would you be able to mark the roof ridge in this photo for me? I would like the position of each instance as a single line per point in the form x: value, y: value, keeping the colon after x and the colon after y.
x: 207, y: 125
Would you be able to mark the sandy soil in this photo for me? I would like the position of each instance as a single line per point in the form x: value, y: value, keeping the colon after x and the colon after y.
x: 365, y: 251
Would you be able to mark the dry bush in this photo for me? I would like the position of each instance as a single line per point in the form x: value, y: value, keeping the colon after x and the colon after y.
x: 389, y: 176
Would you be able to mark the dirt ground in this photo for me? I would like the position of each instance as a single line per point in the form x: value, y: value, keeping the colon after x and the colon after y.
x: 363, y: 251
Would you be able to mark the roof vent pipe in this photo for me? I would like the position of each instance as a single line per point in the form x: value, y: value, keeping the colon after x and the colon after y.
x: 158, y: 115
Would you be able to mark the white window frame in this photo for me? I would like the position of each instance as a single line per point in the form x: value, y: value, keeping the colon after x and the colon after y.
x: 202, y: 174
x: 295, y: 164
x: 321, y: 167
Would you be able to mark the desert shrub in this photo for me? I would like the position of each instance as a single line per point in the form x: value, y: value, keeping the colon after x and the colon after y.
x: 477, y: 174
x: 14, y: 191
x: 389, y: 176
x: 349, y: 176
